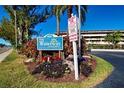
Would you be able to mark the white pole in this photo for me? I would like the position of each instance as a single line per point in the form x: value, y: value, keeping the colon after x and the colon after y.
x: 79, y: 32
x: 75, y: 60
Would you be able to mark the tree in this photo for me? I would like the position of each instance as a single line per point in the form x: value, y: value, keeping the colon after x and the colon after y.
x: 74, y: 8
x: 57, y: 11
x: 71, y: 8
x: 109, y: 38
x: 83, y: 10
x: 114, y: 38
x: 27, y: 18
x: 7, y: 30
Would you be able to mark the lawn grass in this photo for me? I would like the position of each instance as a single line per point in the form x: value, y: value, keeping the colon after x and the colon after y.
x: 11, y: 57
x: 13, y: 73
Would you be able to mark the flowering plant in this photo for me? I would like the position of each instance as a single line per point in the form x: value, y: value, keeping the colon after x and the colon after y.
x: 57, y: 58
x: 50, y: 58
x: 44, y: 59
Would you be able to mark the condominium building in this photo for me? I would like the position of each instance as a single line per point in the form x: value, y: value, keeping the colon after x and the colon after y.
x: 98, y: 36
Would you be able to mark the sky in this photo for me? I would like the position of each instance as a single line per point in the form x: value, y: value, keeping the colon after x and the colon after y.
x: 98, y: 17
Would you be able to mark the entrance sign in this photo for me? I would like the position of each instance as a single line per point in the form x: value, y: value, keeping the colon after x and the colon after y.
x: 73, y: 28
x: 50, y: 42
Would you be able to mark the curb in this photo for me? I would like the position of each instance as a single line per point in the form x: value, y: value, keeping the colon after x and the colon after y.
x: 107, y: 50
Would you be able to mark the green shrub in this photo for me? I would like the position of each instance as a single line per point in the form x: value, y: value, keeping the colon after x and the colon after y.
x: 52, y: 70
x: 85, y: 69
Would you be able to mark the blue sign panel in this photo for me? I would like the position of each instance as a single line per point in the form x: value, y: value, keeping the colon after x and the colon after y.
x: 50, y: 43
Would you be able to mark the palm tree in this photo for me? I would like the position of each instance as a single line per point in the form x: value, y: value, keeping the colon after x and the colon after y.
x: 57, y: 11
x: 71, y: 8
x: 27, y: 18
x: 21, y: 19
x: 83, y: 11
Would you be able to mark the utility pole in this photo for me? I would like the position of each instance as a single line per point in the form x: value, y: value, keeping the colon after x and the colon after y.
x: 79, y: 32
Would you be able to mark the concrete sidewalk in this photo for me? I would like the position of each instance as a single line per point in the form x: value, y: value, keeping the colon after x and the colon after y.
x: 5, y: 54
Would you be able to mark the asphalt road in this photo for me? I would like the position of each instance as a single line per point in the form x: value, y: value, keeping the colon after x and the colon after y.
x: 116, y: 79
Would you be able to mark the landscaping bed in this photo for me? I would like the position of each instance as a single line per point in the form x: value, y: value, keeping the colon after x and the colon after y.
x: 66, y: 77
x: 55, y: 67
x: 15, y: 74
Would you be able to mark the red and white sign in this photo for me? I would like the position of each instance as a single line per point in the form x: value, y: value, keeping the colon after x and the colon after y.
x: 73, y: 37
x: 73, y: 28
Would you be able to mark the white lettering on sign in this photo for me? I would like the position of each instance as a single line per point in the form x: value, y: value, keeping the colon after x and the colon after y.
x: 53, y: 42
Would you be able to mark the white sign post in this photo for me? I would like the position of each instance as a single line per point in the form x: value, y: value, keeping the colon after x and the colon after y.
x: 73, y: 37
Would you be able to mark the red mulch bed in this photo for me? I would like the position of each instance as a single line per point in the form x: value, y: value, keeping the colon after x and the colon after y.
x: 66, y: 78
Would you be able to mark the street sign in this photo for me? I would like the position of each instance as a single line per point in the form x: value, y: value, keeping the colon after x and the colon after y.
x: 50, y: 42
x: 73, y: 37
x: 73, y: 28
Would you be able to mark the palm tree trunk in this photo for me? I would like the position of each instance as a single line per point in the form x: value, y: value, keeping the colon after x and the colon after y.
x: 27, y: 32
x: 69, y: 11
x: 58, y: 30
x: 23, y: 33
x: 58, y: 25
x: 22, y: 37
x: 15, y: 29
